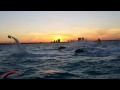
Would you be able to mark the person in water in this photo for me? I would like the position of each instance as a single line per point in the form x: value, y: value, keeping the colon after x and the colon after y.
x: 99, y: 41
x: 61, y: 47
x: 80, y: 50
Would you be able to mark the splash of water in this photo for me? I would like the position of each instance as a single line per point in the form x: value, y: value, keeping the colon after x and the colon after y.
x: 82, y: 44
x: 19, y: 49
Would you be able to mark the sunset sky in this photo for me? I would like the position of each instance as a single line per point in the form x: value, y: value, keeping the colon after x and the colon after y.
x: 47, y: 26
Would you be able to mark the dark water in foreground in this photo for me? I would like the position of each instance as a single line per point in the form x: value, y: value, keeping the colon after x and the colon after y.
x: 41, y: 62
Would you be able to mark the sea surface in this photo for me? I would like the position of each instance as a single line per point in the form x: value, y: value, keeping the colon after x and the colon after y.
x: 45, y: 61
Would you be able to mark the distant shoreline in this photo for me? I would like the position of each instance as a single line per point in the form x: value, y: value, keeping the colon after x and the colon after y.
x: 31, y: 43
x: 45, y: 42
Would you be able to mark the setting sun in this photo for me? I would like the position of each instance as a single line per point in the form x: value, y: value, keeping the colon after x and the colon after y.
x: 56, y: 37
x: 49, y: 26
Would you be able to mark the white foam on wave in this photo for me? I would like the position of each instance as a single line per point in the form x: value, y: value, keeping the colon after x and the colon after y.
x: 94, y: 48
x: 81, y: 44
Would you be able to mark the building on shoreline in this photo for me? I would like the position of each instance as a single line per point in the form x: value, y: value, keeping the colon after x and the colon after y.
x: 57, y: 41
x: 81, y: 39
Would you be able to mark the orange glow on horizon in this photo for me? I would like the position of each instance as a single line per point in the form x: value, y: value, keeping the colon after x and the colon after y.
x: 51, y: 38
x: 64, y: 36
x: 56, y: 37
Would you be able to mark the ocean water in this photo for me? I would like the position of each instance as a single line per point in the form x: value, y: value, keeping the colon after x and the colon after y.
x: 44, y: 61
